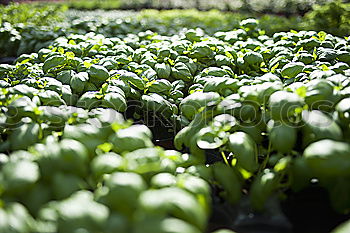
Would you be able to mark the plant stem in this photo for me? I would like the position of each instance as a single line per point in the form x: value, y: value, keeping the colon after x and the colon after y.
x: 224, y: 157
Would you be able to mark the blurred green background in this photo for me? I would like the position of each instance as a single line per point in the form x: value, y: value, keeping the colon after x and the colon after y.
x: 27, y: 26
x: 287, y: 7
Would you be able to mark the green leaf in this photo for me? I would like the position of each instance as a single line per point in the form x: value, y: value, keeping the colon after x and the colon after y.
x: 53, y: 62
x: 60, y: 50
x: 291, y: 70
x: 328, y: 158
x: 133, y: 79
x: 81, y: 211
x: 98, y: 73
x: 78, y: 81
x: 182, y: 72
x: 106, y: 163
x: 163, y: 70
x: 317, y: 126
x: 227, y: 178
x: 282, y: 164
x: 301, y: 91
x: 194, y: 102
x: 343, y: 228
x: 159, y: 86
x: 283, y: 104
x: 176, y: 202
x: 19, y: 176
x: 115, y: 101
x: 253, y: 58
x: 208, y: 139
x: 89, y: 100
x: 70, y: 55
x: 262, y: 188
x: 245, y: 150
x: 282, y: 136
x: 87, y: 64
x: 132, y: 138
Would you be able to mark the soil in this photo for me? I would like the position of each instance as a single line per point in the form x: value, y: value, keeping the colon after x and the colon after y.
x: 309, y: 211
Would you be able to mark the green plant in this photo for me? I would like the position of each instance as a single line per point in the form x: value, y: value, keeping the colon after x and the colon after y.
x: 32, y: 14
x: 332, y: 17
x: 92, y: 4
x: 274, y: 108
x: 74, y: 169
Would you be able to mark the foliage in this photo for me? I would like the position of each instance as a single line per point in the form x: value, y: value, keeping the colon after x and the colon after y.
x: 332, y: 18
x: 25, y: 39
x: 287, y: 7
x: 19, y: 35
x: 33, y: 14
x: 73, y: 169
x: 275, y: 108
x: 214, y: 20
x: 93, y: 4
x: 344, y: 227
x: 272, y: 107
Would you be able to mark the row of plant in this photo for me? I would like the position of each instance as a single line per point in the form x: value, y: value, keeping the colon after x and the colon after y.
x: 31, y: 14
x: 19, y: 35
x: 282, y: 6
x: 275, y: 109
x: 71, y: 169
x: 65, y: 168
